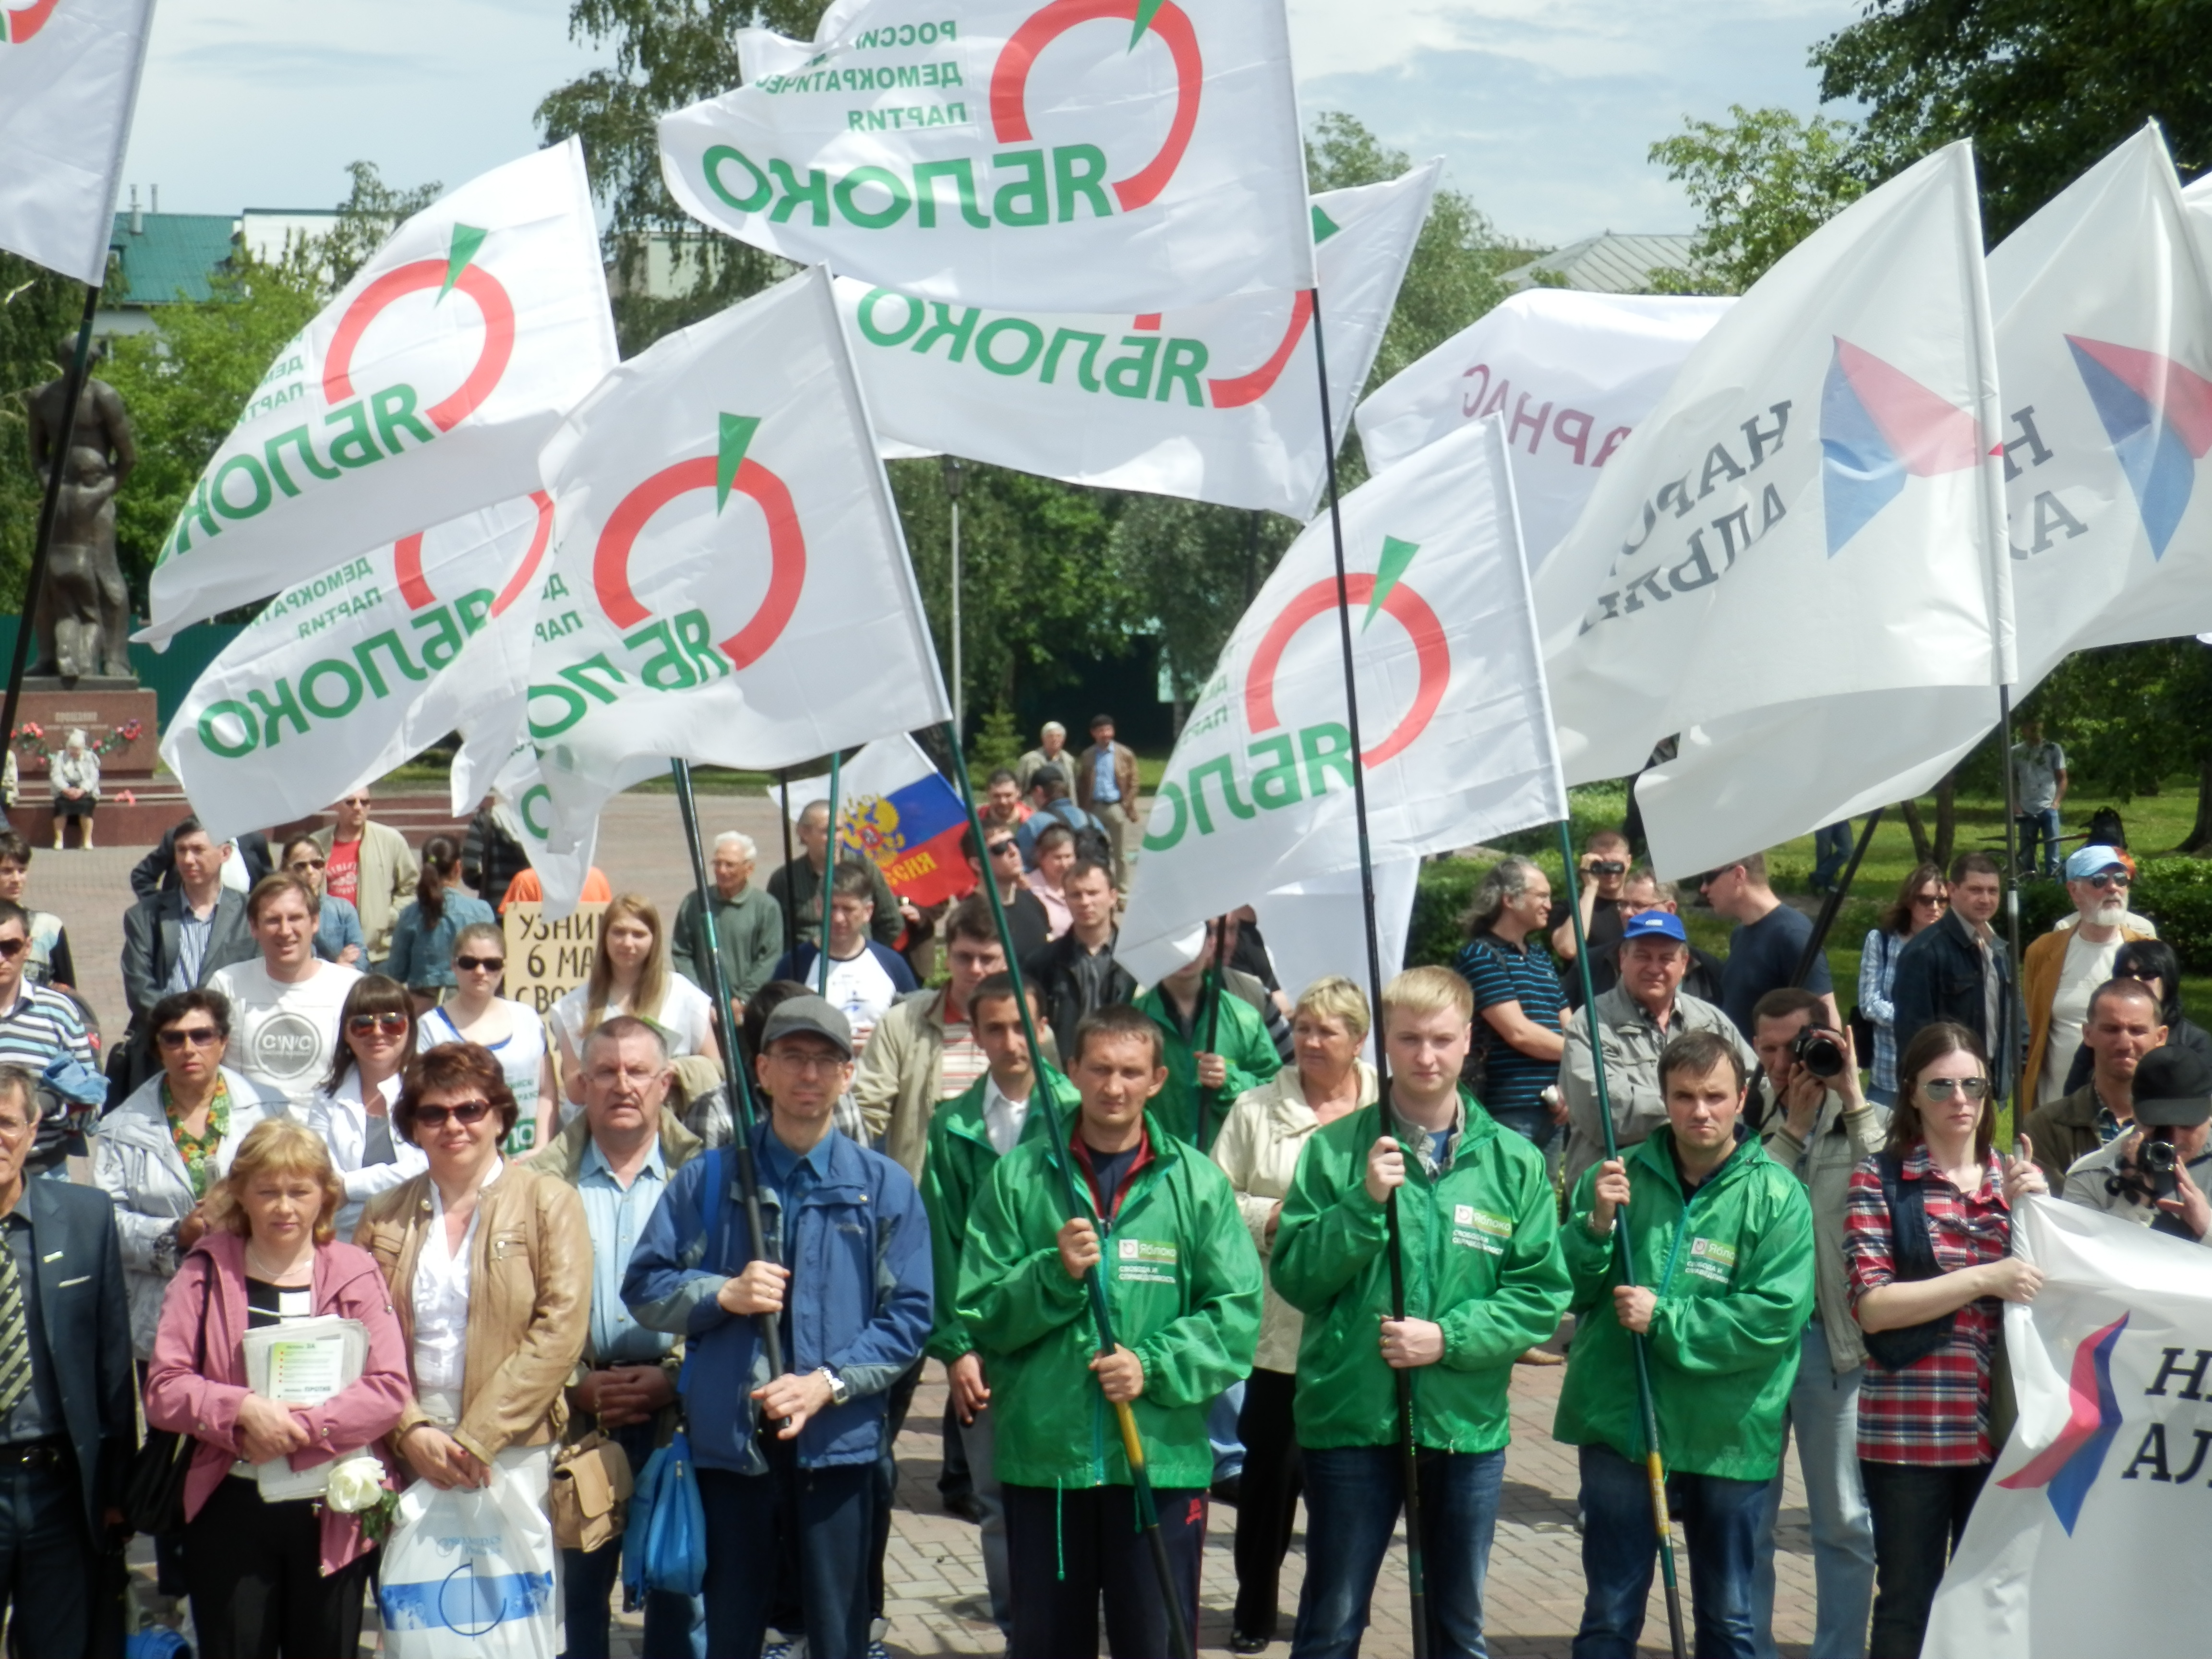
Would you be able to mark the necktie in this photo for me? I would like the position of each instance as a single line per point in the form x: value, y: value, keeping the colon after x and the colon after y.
x: 14, y: 1331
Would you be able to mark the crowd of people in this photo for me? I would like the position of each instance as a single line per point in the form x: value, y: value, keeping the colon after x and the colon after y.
x: 322, y: 1105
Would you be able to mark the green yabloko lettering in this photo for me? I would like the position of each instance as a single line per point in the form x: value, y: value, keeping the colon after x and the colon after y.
x: 331, y: 687
x: 1032, y: 186
x: 1286, y: 770
x: 1013, y: 346
x: 670, y: 654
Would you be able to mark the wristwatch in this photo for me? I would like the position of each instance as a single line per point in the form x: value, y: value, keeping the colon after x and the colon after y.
x: 839, y: 1392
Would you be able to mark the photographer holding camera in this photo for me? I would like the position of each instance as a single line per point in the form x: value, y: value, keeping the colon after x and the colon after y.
x: 2125, y: 1025
x: 2157, y: 1173
x: 1815, y: 1123
x: 1604, y: 868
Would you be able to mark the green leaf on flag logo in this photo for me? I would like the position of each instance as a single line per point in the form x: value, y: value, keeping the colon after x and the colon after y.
x: 1396, y: 555
x: 1145, y: 10
x: 730, y: 454
x: 467, y: 239
x: 1324, y: 226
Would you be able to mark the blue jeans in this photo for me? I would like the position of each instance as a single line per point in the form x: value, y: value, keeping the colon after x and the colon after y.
x: 675, y: 1625
x: 1831, y: 851
x: 1722, y: 1523
x: 2042, y: 825
x: 1353, y: 1494
x: 1221, y: 1432
x: 1823, y: 1414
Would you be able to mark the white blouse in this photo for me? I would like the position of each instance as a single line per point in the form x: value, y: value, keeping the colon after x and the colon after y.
x: 442, y: 1297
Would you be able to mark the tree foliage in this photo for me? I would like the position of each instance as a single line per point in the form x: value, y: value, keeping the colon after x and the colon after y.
x: 1762, y: 182
x: 2043, y: 88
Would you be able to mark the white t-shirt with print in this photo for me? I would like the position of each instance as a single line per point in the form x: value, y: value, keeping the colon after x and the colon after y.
x: 863, y: 989
x: 284, y: 1037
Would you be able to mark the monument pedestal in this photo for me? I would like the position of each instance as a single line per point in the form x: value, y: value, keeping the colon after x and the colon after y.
x: 104, y: 710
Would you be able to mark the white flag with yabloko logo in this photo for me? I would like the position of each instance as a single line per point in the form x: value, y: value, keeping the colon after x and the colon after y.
x: 423, y: 391
x: 2082, y: 1537
x: 737, y: 587
x: 1103, y: 155
x: 1813, y: 508
x: 1214, y: 402
x: 2102, y: 304
x: 523, y: 808
x: 341, y: 679
x: 1258, y: 794
x: 69, y: 80
x: 1571, y: 373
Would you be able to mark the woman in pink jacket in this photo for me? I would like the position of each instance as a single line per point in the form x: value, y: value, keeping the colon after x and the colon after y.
x: 272, y: 1578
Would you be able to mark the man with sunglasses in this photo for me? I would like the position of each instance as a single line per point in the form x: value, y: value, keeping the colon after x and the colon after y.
x: 1025, y: 916
x: 338, y: 937
x: 371, y: 867
x: 2061, y: 971
x: 37, y: 1027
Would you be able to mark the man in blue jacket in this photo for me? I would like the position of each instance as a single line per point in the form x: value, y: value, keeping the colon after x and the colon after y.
x: 847, y: 1280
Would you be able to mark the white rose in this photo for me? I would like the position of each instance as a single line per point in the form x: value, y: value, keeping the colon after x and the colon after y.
x: 356, y: 1484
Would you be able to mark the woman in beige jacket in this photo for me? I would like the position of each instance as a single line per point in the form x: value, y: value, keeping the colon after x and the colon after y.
x: 491, y: 1269
x: 1258, y: 1150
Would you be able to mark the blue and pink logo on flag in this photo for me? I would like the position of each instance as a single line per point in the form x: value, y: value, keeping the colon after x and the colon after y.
x: 2068, y: 1466
x: 1880, y: 427
x: 2159, y: 415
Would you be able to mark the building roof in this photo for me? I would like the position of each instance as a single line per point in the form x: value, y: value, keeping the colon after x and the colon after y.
x: 1607, y: 263
x: 169, y: 256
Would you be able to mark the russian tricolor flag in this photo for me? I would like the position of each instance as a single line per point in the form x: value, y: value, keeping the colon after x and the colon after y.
x: 895, y: 808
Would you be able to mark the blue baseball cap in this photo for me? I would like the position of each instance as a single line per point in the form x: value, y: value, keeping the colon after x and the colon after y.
x: 2089, y: 861
x: 1655, y: 924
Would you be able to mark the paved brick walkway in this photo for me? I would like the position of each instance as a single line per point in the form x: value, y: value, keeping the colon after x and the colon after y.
x: 935, y: 1570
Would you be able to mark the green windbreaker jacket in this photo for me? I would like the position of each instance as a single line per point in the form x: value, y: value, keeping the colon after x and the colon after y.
x: 1240, y: 1040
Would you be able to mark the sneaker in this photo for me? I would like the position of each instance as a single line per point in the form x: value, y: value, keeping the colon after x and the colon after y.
x: 1541, y: 1357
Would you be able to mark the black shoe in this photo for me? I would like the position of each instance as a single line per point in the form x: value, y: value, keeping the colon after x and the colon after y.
x: 965, y: 1506
x: 1228, y: 1489
x: 1244, y: 1641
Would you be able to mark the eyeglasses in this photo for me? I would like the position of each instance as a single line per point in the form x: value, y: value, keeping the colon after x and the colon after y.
x: 1000, y: 848
x: 388, y: 1024
x: 2108, y: 878
x: 12, y: 948
x: 1933, y: 901
x: 308, y: 864
x: 1941, y: 1088
x: 355, y: 800
x: 480, y: 964
x: 200, y: 1037
x: 806, y: 1064
x: 463, y: 1112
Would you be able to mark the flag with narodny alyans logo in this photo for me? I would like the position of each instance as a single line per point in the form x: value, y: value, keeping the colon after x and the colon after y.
x: 1814, y: 508
x: 341, y: 678
x: 1456, y: 731
x: 422, y: 392
x: 737, y: 590
x: 2102, y: 309
x: 1212, y: 403
x: 1099, y: 156
x: 2083, y: 1538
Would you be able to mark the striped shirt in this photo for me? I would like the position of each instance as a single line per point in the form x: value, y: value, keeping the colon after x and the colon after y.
x: 42, y: 1025
x: 1936, y: 1410
x: 1512, y: 1080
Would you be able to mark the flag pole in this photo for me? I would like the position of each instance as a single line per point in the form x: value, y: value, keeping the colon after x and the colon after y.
x: 790, y: 901
x: 707, y: 949
x: 1180, y: 1643
x: 1624, y: 1258
x: 73, y: 384
x: 1826, y: 918
x: 1213, y: 1019
x: 2004, y: 1037
x: 829, y: 879
x: 1416, y: 1578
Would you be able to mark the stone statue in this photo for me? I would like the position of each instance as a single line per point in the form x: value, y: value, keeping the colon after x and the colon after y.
x: 83, y: 618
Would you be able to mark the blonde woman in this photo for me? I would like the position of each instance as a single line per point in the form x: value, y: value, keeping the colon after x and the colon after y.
x: 630, y: 975
x: 283, y: 1578
x: 1258, y: 1150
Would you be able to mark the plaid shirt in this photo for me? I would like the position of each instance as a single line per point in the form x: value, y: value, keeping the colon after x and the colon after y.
x: 1936, y: 1411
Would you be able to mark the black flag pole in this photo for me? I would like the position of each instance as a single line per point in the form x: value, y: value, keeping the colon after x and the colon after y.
x: 2007, y: 1038
x: 790, y: 901
x: 1180, y: 1643
x: 1834, y: 902
x: 1416, y: 1579
x: 72, y: 383
x: 828, y: 879
x: 1213, y: 1020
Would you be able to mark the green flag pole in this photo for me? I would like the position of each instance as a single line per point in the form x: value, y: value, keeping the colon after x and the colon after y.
x: 828, y: 879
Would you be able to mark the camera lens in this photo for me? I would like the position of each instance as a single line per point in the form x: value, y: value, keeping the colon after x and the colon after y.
x: 1819, y: 1053
x: 1608, y: 867
x: 2158, y: 1157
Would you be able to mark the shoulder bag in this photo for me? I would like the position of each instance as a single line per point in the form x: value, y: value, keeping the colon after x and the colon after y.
x: 154, y: 1486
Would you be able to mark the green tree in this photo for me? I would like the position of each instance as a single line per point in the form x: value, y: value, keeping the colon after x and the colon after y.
x: 370, y: 213
x: 2043, y: 87
x: 38, y: 309
x: 1761, y: 184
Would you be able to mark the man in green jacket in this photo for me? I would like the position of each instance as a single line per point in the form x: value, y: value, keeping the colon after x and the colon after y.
x: 1722, y: 1241
x: 1483, y: 1283
x: 1243, y: 1055
x: 968, y: 1136
x: 1160, y: 1225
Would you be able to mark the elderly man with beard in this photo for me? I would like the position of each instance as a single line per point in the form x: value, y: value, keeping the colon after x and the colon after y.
x: 2060, y: 972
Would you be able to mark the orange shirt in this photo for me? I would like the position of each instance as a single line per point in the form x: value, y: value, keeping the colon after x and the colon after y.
x: 525, y: 889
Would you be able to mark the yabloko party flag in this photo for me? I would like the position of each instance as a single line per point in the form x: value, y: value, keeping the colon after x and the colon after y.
x: 423, y: 391
x: 1213, y: 402
x: 738, y: 588
x: 69, y: 80
x: 1258, y: 794
x: 1093, y: 156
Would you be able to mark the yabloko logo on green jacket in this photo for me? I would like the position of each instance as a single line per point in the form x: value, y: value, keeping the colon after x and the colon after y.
x: 1182, y: 1286
x: 1733, y: 1270
x: 1481, y: 1260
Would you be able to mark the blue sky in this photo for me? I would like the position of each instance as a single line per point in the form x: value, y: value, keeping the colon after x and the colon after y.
x: 1543, y: 109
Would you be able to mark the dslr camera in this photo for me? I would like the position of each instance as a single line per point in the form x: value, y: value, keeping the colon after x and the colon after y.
x: 1818, y: 1053
x: 2158, y: 1157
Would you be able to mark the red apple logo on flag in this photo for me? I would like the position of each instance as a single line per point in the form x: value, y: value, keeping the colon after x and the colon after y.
x: 456, y: 272
x: 1010, y: 79
x: 23, y: 23
x: 414, y: 588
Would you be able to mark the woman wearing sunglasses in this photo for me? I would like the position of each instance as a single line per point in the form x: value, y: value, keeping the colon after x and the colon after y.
x: 490, y: 1268
x: 476, y: 1012
x: 1929, y: 1244
x: 1919, y: 903
x: 352, y: 1111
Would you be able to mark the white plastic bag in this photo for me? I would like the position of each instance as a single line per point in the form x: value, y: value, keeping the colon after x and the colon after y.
x: 471, y: 1574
